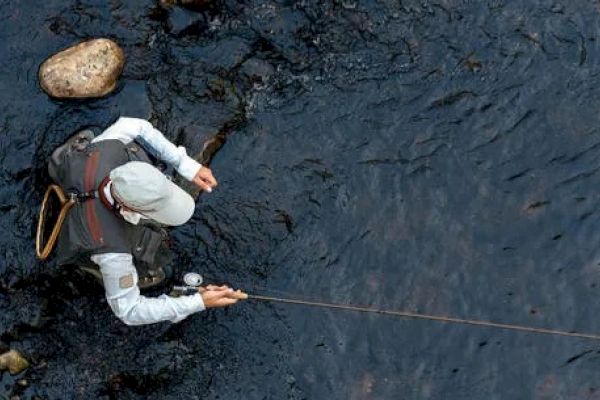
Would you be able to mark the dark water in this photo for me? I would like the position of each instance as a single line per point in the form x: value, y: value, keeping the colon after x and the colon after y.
x: 434, y: 156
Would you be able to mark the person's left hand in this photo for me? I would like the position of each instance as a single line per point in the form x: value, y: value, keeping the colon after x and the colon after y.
x: 204, y: 179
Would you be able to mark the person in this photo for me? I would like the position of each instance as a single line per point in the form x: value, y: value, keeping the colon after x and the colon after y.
x: 123, y: 202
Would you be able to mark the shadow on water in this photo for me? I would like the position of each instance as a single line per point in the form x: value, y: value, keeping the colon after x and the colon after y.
x: 433, y: 156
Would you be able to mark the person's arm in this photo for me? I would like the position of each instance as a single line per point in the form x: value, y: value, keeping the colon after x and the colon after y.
x: 123, y: 295
x: 129, y: 129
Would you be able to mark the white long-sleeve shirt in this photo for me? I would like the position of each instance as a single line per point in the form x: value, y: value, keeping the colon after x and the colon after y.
x: 118, y: 272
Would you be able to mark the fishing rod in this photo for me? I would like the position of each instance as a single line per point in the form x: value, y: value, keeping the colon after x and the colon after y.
x: 414, y: 315
x: 194, y: 280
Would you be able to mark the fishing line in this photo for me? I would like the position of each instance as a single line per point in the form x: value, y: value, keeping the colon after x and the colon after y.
x: 195, y: 280
x: 276, y: 292
x: 414, y: 315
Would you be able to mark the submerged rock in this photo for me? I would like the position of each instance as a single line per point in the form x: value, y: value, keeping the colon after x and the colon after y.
x: 202, y: 142
x: 88, y: 69
x: 257, y: 69
x: 183, y: 21
x: 193, y: 4
x: 14, y: 362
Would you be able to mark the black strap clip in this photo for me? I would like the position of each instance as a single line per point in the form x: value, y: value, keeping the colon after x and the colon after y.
x: 85, y: 196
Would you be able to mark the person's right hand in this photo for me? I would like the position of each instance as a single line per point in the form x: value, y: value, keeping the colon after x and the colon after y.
x: 218, y: 296
x: 204, y: 179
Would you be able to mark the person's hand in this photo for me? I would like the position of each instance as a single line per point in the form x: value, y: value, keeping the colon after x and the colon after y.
x: 219, y: 296
x: 204, y: 179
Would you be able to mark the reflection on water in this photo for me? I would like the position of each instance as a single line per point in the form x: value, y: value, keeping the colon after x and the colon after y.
x: 435, y: 156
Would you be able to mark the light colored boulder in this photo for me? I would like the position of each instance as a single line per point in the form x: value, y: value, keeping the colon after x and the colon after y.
x: 14, y: 362
x: 88, y: 69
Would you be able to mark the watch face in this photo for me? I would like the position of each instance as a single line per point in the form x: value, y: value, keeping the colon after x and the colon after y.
x: 192, y: 279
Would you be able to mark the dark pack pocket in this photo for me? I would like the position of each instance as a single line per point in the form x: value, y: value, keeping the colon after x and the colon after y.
x: 136, y: 152
x: 147, y: 246
x: 77, y: 142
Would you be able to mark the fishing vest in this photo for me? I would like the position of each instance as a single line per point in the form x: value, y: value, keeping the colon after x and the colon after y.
x: 91, y: 226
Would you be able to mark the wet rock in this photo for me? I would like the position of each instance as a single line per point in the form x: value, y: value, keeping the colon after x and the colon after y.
x: 202, y: 143
x: 14, y: 362
x: 257, y: 70
x: 133, y: 100
x: 279, y: 30
x: 24, y: 313
x: 227, y: 53
x: 193, y: 4
x: 183, y: 22
x: 88, y: 69
x: 473, y: 64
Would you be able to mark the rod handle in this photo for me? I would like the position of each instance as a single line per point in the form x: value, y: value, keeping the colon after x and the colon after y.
x: 238, y: 294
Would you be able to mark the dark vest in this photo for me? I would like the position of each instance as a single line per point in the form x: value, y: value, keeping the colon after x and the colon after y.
x: 91, y: 227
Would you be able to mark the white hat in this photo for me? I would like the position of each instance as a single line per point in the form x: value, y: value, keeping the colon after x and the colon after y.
x: 146, y: 190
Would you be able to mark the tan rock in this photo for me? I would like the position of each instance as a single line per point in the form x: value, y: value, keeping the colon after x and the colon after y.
x: 13, y: 361
x: 88, y: 69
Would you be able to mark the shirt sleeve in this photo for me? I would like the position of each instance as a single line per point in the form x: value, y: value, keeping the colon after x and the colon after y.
x: 123, y: 295
x: 128, y: 129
